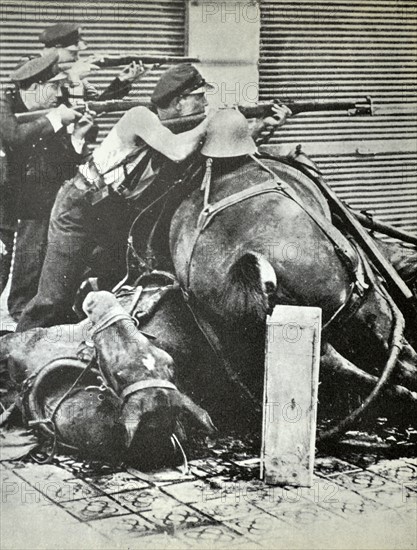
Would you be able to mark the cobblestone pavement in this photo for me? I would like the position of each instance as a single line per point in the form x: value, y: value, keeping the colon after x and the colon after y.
x: 219, y: 503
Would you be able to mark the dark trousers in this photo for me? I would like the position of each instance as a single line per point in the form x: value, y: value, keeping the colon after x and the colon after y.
x: 29, y: 254
x: 6, y: 236
x: 75, y: 229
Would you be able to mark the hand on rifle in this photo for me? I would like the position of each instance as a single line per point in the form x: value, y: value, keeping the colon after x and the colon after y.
x: 66, y: 115
x: 132, y: 72
x: 279, y: 116
x: 83, y: 125
x: 80, y: 69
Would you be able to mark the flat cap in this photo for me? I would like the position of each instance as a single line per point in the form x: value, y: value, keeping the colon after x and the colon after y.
x: 176, y: 81
x: 62, y: 35
x: 38, y: 69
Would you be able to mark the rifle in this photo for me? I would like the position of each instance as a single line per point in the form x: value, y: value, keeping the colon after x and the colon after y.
x: 256, y: 111
x: 386, y: 229
x: 126, y: 59
x: 401, y: 293
x: 99, y: 107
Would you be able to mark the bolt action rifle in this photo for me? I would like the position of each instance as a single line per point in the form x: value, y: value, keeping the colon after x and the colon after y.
x: 115, y: 60
x: 363, y: 107
x: 259, y: 110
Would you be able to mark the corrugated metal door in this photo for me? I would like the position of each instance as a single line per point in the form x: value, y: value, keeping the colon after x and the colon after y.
x: 148, y: 26
x: 328, y: 50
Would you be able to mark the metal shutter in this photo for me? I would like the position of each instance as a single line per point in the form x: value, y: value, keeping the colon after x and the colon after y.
x: 327, y: 50
x: 149, y: 26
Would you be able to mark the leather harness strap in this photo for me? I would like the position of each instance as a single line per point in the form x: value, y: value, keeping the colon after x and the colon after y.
x: 145, y: 384
x: 214, y: 342
x: 272, y: 186
x: 111, y: 317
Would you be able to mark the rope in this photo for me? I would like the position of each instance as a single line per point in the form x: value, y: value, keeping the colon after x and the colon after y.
x: 395, y: 348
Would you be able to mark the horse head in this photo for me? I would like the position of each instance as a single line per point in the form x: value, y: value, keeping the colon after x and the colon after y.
x: 142, y: 375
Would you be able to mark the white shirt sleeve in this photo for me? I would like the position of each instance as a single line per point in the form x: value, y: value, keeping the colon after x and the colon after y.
x: 78, y: 144
x: 55, y: 120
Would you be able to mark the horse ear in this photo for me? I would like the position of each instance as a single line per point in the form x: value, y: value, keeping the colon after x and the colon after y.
x: 197, y: 413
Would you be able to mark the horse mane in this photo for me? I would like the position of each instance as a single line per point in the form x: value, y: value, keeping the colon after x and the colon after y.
x: 244, y: 297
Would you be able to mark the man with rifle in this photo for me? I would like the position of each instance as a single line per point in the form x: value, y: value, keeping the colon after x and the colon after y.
x: 66, y: 39
x: 37, y: 157
x: 99, y: 204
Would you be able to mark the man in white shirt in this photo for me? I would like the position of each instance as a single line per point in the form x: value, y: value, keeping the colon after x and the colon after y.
x: 138, y: 145
x: 126, y: 163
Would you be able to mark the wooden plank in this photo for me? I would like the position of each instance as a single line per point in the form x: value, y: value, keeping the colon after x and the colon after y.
x: 290, y: 395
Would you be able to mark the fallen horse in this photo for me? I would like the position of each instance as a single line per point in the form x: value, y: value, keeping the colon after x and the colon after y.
x: 234, y: 265
x: 230, y: 284
x: 105, y: 390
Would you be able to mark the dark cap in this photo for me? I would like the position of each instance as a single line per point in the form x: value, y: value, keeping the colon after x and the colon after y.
x: 63, y: 35
x: 38, y: 69
x: 176, y: 81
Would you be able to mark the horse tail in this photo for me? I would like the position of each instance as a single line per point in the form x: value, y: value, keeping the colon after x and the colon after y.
x: 250, y: 286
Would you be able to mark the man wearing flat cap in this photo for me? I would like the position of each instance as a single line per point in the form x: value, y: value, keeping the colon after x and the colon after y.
x: 100, y: 203
x: 121, y: 169
x: 66, y: 39
x: 40, y: 155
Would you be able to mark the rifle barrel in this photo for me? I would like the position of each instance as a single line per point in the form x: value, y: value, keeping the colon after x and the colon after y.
x: 402, y: 294
x: 386, y: 229
x: 126, y: 59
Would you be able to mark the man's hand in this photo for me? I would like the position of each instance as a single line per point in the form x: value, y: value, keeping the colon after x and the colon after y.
x: 132, y: 72
x: 83, y: 125
x: 79, y: 69
x: 279, y: 116
x: 65, y: 114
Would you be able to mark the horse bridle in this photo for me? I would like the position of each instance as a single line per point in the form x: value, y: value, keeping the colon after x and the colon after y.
x: 113, y: 316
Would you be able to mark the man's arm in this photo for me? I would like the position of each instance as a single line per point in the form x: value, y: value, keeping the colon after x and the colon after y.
x: 117, y: 89
x: 263, y: 128
x: 14, y: 134
x: 123, y: 83
x: 141, y: 122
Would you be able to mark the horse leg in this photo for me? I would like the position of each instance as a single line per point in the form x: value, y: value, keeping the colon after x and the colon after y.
x: 406, y: 369
x: 332, y: 362
x: 366, y: 339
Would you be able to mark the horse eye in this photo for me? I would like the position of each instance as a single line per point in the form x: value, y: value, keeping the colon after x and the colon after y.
x: 118, y: 376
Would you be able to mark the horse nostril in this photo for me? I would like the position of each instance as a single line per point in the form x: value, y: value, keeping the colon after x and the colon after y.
x: 162, y: 399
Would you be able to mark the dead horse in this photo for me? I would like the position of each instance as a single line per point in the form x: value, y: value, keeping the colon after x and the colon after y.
x: 261, y: 235
x: 131, y: 409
